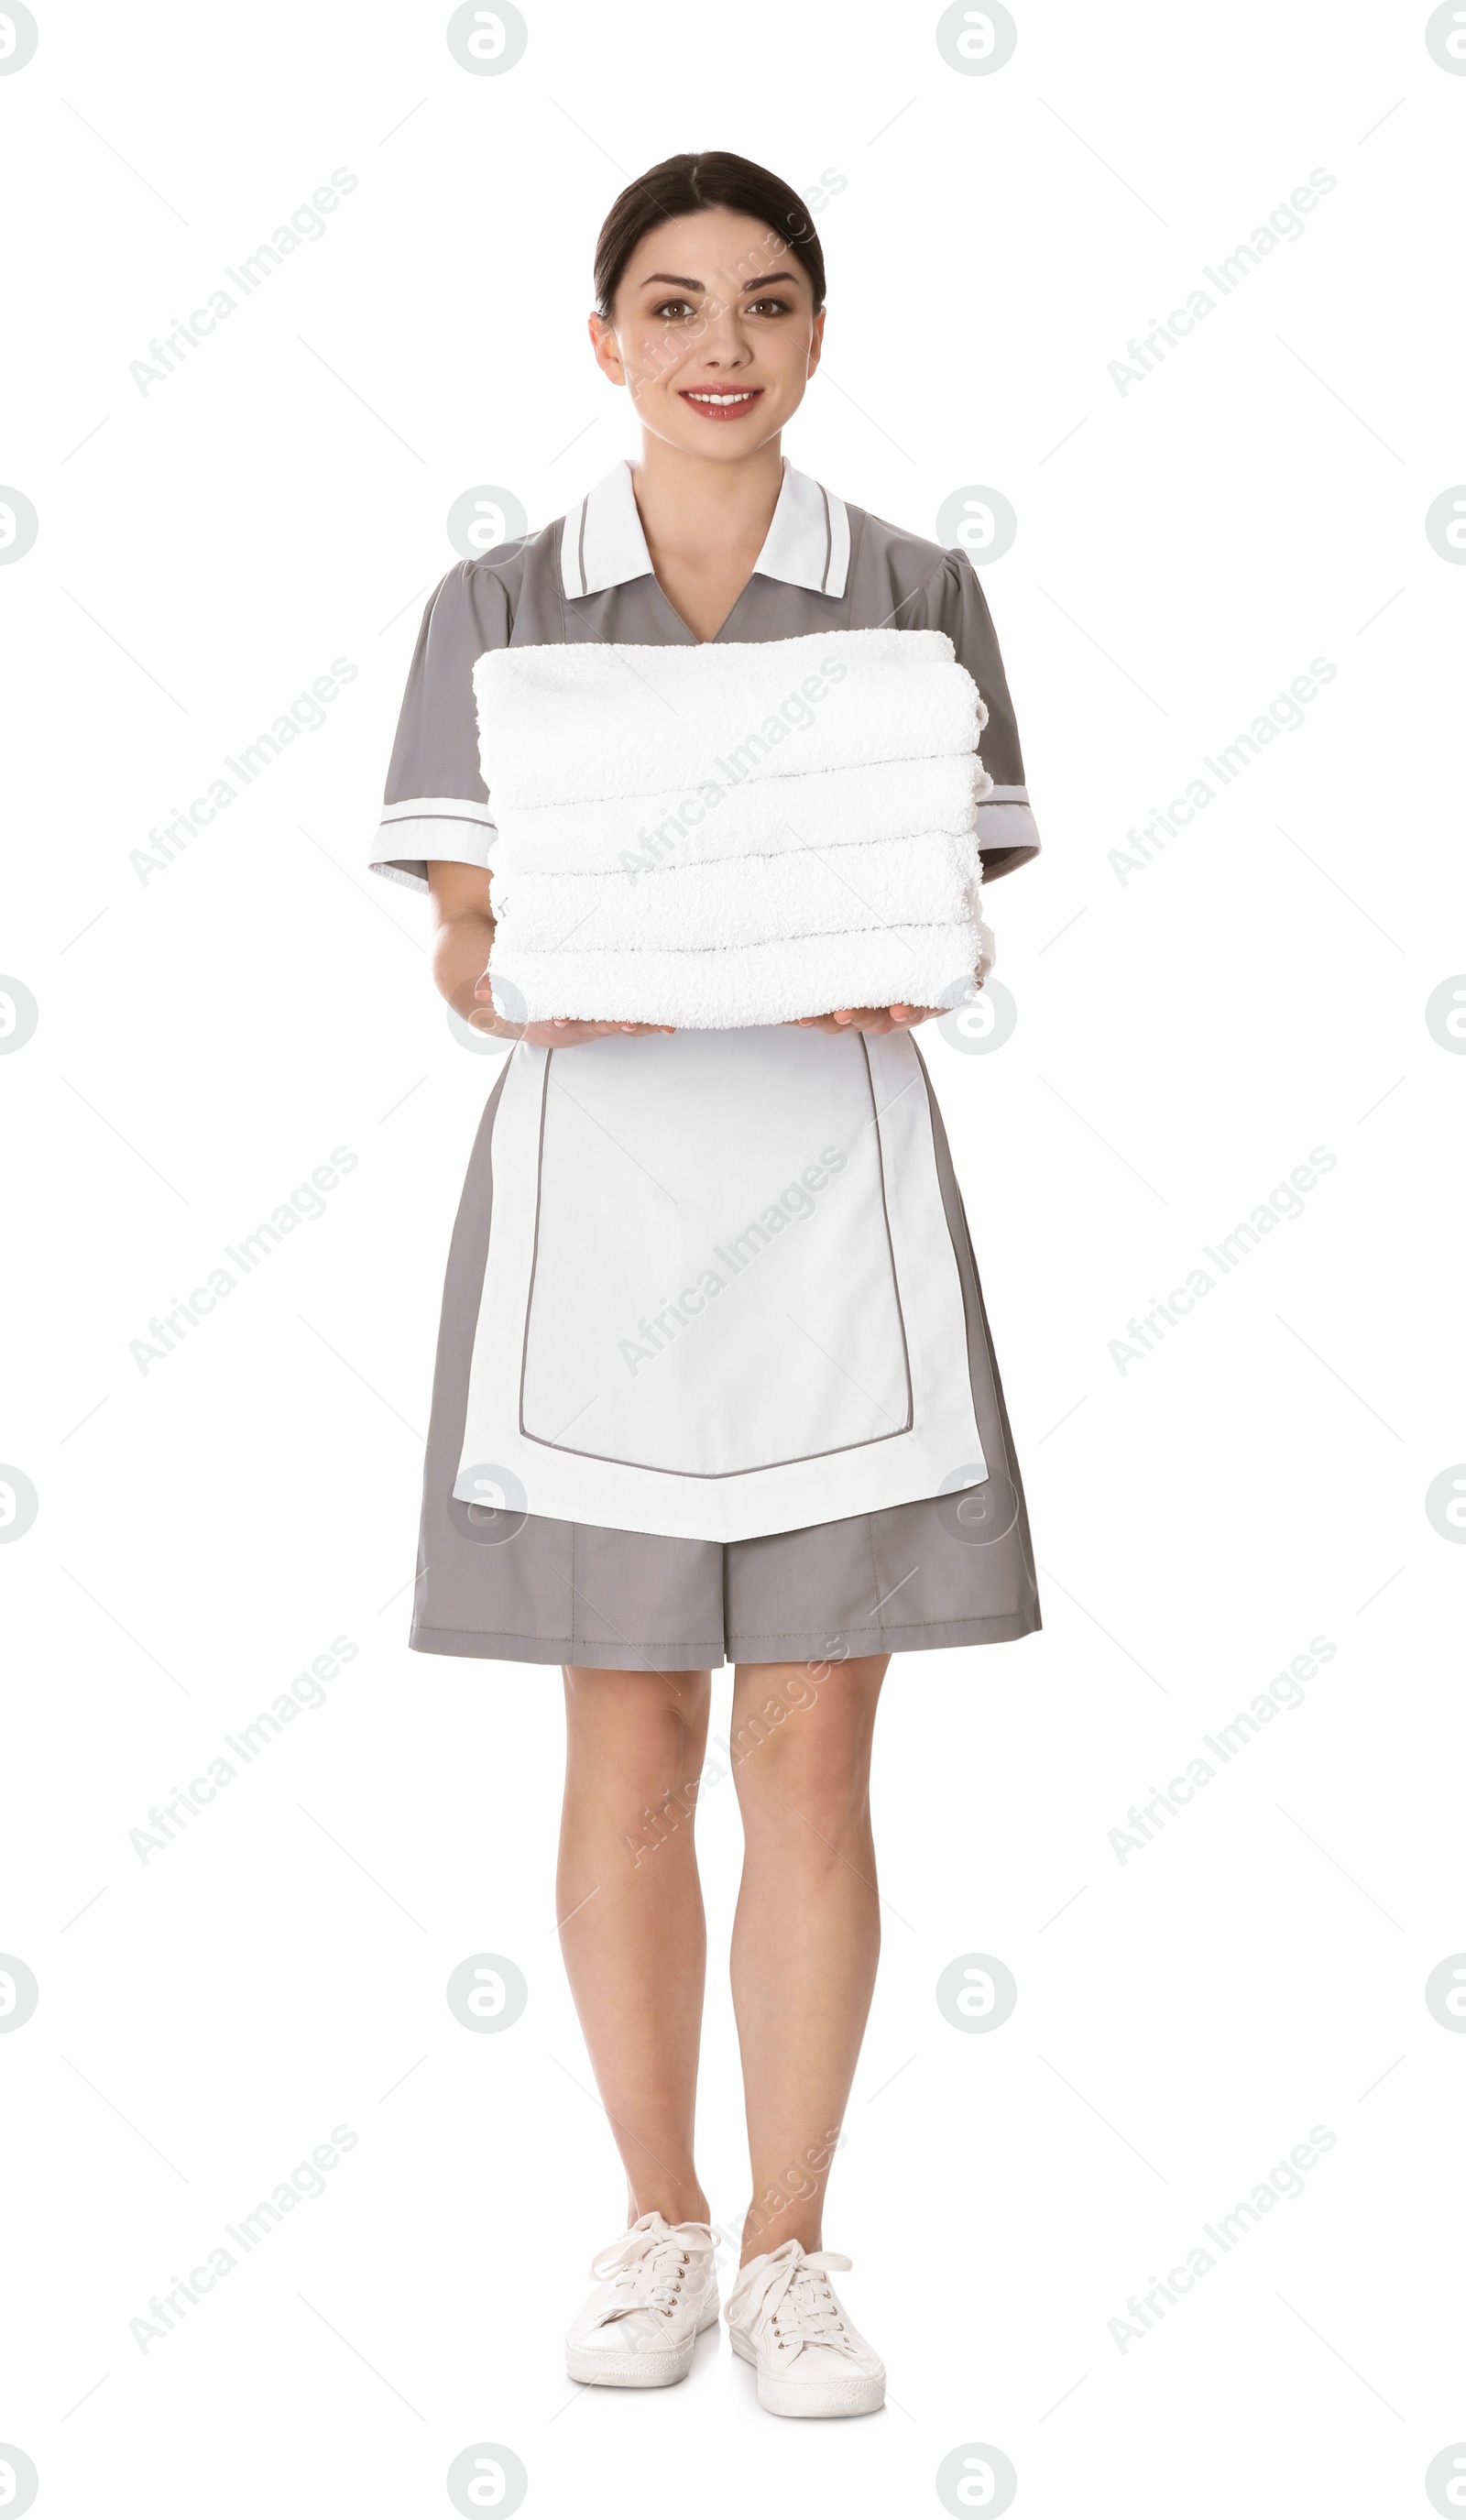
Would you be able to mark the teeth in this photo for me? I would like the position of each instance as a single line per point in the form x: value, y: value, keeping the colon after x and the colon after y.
x: 720, y: 398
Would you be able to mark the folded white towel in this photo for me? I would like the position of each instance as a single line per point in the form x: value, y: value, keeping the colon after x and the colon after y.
x: 746, y: 984
x: 713, y: 837
x: 931, y: 880
x: 558, y: 725
x: 822, y: 809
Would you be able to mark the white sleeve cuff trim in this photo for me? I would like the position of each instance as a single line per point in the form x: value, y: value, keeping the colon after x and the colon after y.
x: 411, y: 872
x: 402, y: 849
x: 1006, y: 827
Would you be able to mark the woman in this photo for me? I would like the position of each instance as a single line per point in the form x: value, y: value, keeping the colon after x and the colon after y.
x: 816, y: 1472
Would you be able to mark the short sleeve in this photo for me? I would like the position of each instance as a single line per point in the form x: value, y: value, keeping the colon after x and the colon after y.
x: 952, y: 599
x: 436, y: 804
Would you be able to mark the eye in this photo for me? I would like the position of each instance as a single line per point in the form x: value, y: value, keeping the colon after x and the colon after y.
x: 673, y: 308
x: 771, y: 306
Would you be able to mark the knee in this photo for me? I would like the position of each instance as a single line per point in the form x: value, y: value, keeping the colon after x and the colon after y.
x: 638, y: 1733
x: 805, y: 1775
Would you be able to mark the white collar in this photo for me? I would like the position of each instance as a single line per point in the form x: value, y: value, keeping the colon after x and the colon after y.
x: 808, y: 542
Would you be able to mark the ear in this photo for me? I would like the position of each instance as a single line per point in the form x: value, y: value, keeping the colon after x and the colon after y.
x: 817, y: 344
x: 606, y: 348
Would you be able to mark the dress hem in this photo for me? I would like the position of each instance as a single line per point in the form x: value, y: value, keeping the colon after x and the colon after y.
x: 682, y: 1654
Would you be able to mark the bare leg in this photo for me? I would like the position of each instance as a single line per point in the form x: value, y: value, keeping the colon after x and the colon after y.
x: 807, y: 1932
x: 632, y: 1930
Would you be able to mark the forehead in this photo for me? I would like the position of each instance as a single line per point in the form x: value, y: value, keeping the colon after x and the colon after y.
x: 715, y: 246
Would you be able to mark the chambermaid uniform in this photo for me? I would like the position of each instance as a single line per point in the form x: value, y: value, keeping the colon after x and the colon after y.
x: 714, y: 1378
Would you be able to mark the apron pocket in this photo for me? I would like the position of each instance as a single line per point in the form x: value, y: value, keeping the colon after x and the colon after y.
x: 713, y: 1291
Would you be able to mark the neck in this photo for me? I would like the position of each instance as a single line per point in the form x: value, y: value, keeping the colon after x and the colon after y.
x: 687, y: 504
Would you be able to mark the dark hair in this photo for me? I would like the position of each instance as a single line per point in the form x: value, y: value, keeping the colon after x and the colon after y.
x: 700, y: 180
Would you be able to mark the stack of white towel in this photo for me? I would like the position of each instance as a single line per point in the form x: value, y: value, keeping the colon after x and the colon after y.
x: 713, y: 837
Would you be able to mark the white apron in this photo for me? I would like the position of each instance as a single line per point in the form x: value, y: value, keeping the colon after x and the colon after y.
x: 720, y: 1297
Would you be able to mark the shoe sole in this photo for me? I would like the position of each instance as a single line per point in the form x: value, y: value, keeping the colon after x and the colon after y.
x: 635, y: 2371
x: 862, y: 2396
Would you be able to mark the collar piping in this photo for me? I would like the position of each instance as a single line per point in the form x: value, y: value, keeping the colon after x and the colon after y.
x: 808, y: 542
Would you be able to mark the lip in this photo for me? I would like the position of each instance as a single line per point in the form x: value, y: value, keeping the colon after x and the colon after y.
x: 748, y: 396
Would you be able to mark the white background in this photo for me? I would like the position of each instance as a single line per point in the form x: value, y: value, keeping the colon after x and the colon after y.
x: 1185, y: 1037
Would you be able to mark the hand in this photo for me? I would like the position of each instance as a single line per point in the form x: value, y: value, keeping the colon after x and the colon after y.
x: 562, y: 1033
x: 877, y: 1019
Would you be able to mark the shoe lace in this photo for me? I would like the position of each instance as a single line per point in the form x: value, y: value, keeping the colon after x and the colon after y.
x: 789, y: 2290
x: 647, y: 2266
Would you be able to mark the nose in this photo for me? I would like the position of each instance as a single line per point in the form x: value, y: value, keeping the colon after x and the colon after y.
x: 722, y: 344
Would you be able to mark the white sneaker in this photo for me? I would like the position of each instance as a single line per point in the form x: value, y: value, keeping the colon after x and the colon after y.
x: 658, y: 2290
x: 784, y: 2319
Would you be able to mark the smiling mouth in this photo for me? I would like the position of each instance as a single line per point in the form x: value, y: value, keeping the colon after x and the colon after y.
x: 722, y: 406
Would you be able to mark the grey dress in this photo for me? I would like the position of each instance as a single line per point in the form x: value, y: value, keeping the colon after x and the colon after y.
x: 496, y: 1578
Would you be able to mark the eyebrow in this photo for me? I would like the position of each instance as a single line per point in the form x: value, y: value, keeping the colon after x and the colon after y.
x: 680, y: 280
